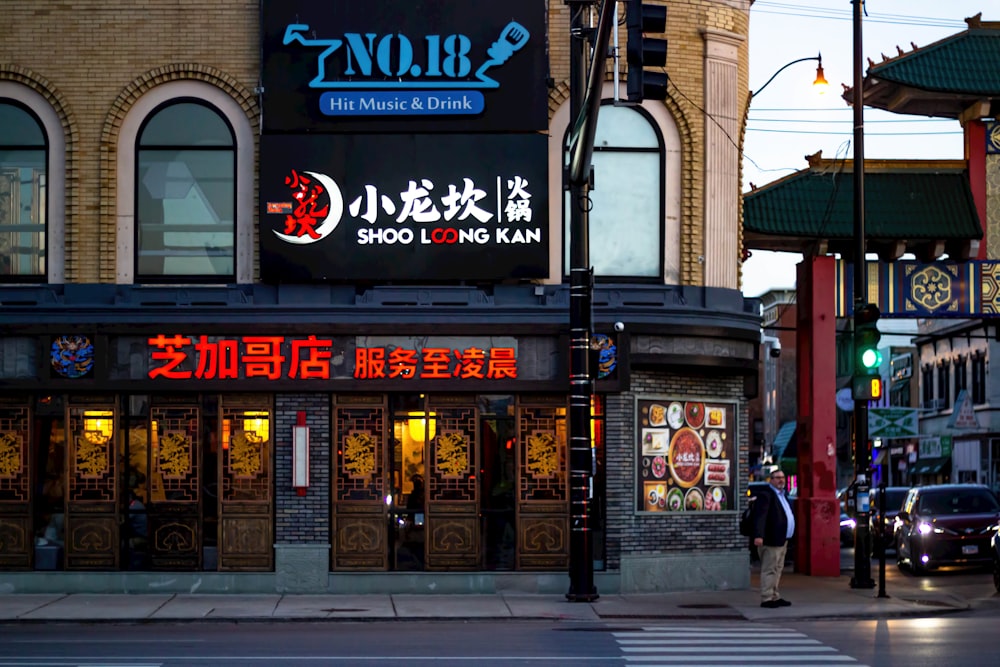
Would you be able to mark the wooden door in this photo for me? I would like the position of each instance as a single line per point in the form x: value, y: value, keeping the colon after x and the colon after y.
x: 543, y: 490
x: 16, y: 529
x: 360, y: 523
x: 173, y: 506
x: 246, y: 464
x: 92, y: 503
x: 452, y: 529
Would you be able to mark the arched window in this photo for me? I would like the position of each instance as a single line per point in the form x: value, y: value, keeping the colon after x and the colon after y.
x: 627, y: 203
x: 23, y: 194
x: 185, y: 184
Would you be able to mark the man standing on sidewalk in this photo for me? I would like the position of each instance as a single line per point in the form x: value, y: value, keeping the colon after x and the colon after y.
x: 774, y: 525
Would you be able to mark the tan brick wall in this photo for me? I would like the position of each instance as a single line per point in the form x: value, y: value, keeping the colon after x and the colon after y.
x: 92, y: 58
x: 686, y: 20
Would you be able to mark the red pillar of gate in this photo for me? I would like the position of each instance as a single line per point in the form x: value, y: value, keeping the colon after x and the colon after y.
x: 817, y: 514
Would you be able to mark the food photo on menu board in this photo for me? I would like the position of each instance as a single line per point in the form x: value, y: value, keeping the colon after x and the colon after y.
x: 685, y: 455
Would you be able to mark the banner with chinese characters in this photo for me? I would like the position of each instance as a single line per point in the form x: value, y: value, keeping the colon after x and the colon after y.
x: 686, y: 455
x: 377, y: 361
x: 404, y: 66
x: 403, y: 207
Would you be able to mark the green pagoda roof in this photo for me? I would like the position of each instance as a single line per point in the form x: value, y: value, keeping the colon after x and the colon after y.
x: 923, y: 207
x: 943, y: 79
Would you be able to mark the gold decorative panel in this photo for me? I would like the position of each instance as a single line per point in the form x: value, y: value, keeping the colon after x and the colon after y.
x: 360, y: 526
x: 543, y: 493
x: 452, y: 526
x: 543, y: 542
x: 15, y: 463
x: 246, y: 515
x: 91, y: 523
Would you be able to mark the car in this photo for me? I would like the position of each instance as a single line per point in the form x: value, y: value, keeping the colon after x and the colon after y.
x: 946, y: 524
x: 995, y: 553
x: 847, y: 525
x: 882, y: 534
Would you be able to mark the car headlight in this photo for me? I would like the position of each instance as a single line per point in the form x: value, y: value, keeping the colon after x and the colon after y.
x: 849, y: 523
x: 924, y: 528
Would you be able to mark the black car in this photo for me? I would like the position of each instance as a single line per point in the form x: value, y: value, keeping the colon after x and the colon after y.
x: 882, y: 534
x: 995, y: 553
x: 946, y: 524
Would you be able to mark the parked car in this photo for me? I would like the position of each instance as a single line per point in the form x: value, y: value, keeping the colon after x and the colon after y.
x: 946, y: 524
x: 882, y: 535
x: 995, y: 553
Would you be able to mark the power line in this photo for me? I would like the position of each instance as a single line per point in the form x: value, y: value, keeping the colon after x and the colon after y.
x: 956, y: 133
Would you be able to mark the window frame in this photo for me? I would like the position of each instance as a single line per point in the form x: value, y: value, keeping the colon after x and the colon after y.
x: 660, y: 151
x: 53, y: 133
x: 246, y: 148
x: 167, y: 278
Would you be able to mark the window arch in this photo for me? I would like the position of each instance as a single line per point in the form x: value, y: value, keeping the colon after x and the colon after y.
x: 32, y: 166
x: 185, y: 188
x: 637, y: 184
x: 185, y: 183
x: 626, y: 215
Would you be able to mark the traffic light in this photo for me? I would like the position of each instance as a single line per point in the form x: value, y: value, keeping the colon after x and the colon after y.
x: 642, y: 18
x: 867, y: 381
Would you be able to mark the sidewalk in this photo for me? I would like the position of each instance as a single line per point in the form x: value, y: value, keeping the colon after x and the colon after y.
x: 811, y: 597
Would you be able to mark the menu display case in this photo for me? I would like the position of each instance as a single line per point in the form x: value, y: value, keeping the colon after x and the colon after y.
x: 686, y: 455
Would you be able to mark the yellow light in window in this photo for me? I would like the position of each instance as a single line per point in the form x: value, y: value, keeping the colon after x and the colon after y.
x: 418, y: 425
x: 258, y: 422
x: 99, y: 421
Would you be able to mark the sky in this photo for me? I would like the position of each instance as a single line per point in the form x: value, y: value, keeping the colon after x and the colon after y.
x: 789, y: 120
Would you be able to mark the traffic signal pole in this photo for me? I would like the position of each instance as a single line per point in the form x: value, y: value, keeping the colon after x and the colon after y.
x: 862, y: 577
x: 585, y: 104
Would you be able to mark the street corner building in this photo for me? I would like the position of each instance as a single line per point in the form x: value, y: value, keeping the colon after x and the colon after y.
x: 287, y: 300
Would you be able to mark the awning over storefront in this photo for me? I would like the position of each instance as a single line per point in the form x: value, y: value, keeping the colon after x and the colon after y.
x: 929, y: 466
x: 784, y: 437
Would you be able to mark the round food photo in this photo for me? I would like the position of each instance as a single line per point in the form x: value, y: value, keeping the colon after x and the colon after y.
x: 675, y: 500
x: 694, y: 500
x: 694, y: 413
x: 715, y: 499
x: 657, y: 415
x: 686, y: 457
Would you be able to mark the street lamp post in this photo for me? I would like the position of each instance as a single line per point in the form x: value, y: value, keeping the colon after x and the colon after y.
x: 820, y: 81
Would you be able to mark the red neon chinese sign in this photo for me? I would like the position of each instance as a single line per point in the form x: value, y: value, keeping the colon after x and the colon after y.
x: 179, y: 357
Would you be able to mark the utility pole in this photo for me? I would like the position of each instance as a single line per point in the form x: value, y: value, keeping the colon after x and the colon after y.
x: 585, y: 104
x: 862, y: 577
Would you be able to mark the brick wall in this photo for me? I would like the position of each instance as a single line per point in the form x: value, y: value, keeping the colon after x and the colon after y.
x: 633, y: 534
x: 302, y: 519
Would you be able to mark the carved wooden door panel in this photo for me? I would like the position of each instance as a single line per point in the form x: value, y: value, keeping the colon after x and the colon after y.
x: 92, y: 488
x: 246, y: 504
x: 452, y: 529
x: 16, y: 531
x: 543, y: 491
x: 175, y: 485
x: 360, y: 525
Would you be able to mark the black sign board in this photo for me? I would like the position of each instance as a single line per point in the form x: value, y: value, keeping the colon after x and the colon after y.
x: 403, y: 207
x: 404, y: 65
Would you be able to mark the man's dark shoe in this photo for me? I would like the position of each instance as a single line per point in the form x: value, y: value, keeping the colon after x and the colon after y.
x: 770, y: 604
x: 783, y: 602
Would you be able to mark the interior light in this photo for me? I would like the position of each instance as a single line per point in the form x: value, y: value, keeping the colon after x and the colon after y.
x: 418, y: 425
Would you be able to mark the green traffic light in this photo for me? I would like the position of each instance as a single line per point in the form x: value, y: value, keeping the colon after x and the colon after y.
x: 871, y: 358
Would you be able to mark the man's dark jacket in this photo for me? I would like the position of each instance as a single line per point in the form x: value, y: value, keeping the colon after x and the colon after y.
x: 770, y: 520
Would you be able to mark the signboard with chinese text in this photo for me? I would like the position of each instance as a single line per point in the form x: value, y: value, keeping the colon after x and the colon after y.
x: 379, y: 362
x: 403, y: 207
x: 686, y: 455
x: 404, y: 66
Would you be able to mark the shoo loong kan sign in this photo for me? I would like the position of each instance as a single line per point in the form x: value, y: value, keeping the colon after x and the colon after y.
x: 404, y: 65
x: 403, y: 207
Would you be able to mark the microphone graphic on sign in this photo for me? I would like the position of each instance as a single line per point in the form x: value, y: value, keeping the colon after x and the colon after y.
x: 512, y: 38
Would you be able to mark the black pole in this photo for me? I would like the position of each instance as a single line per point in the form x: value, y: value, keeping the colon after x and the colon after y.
x: 883, y: 538
x: 584, y: 107
x: 862, y: 559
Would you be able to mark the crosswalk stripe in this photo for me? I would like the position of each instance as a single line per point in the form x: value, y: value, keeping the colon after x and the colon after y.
x: 731, y: 644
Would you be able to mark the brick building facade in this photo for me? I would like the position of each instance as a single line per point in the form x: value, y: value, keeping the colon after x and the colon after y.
x: 92, y: 79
